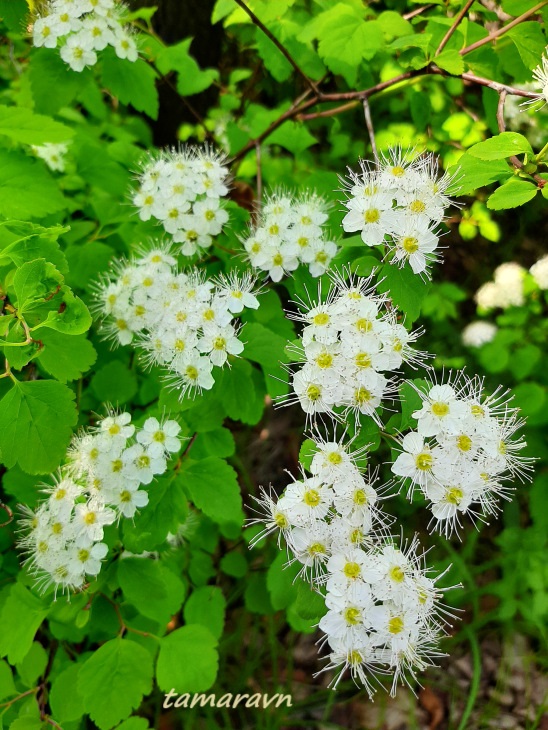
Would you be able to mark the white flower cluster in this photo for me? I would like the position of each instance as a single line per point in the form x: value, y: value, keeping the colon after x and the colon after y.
x: 349, y: 343
x: 540, y: 76
x: 539, y: 272
x: 99, y: 484
x: 400, y: 204
x: 183, y: 190
x: 84, y: 27
x: 291, y: 231
x: 183, y: 321
x: 478, y: 333
x: 505, y: 291
x: 383, y: 608
x: 462, y: 452
x: 52, y: 154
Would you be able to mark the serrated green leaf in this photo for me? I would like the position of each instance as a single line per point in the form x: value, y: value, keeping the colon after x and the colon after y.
x: 213, y: 487
x: 188, y: 660
x: 132, y: 82
x: 7, y: 685
x: 65, y: 699
x: 501, y: 146
x: 21, y: 617
x: 471, y: 173
x: 114, y: 383
x: 113, y: 680
x: 36, y: 420
x: 512, y: 194
x: 206, y: 607
x: 66, y: 357
x: 22, y: 125
x: 450, y: 61
x: 165, y: 591
x: 406, y: 289
x: 27, y: 190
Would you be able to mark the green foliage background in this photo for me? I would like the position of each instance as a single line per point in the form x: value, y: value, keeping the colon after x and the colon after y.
x: 210, y: 613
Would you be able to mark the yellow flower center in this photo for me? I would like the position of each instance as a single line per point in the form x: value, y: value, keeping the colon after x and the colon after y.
x: 364, y: 325
x: 321, y: 318
x: 352, y: 570
x: 191, y: 372
x: 362, y: 395
x: 311, y: 498
x: 281, y: 520
x: 360, y: 497
x: 313, y: 392
x: 316, y: 549
x: 440, y: 409
x: 278, y: 259
x: 352, y: 616
x: 398, y: 171
x: 334, y: 458
x: 90, y: 518
x: 395, y: 625
x: 219, y: 343
x: 464, y: 443
x: 324, y: 360
x: 417, y: 206
x: 410, y: 244
x: 454, y: 496
x: 477, y: 411
x: 114, y: 429
x: 371, y: 215
x: 363, y: 360
x: 396, y: 574
x: 83, y: 555
x: 424, y: 461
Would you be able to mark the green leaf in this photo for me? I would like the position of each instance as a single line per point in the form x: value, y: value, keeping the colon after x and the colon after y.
x: 113, y: 680
x: 530, y: 398
x: 471, y: 173
x: 234, y: 564
x: 65, y: 699
x: 53, y: 83
x: 268, y: 349
x: 33, y: 665
x: 20, y: 618
x: 513, y: 193
x: 166, y: 511
x: 133, y: 83
x: 35, y: 281
x: 309, y: 604
x: 7, y: 685
x: 188, y: 660
x: 36, y: 419
x: 450, y: 61
x: 406, y: 289
x: 27, y: 190
x: 280, y: 581
x: 66, y: 357
x: 347, y: 40
x: 164, y: 590
x: 86, y: 262
x: 501, y: 146
x: 14, y: 13
x: 231, y: 383
x: 191, y: 79
x: 530, y: 42
x: 293, y: 136
x: 212, y: 486
x: 22, y: 125
x: 206, y: 607
x: 306, y: 453
x: 114, y: 383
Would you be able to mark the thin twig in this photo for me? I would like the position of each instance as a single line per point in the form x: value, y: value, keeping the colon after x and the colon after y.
x: 418, y: 11
x: 9, y: 513
x: 278, y: 45
x: 188, y: 105
x: 454, y: 26
x: 370, y: 129
x: 500, y: 111
x: 259, y: 176
x: 329, y: 112
x: 501, y: 31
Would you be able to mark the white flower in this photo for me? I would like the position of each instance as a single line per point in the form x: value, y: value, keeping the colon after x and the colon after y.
x: 540, y: 74
x: 419, y: 461
x: 125, y: 47
x: 478, y: 333
x: 44, y: 32
x: 539, y: 270
x: 305, y: 501
x: 78, y: 53
x: 89, y: 522
x: 370, y: 216
x: 441, y: 411
x: 88, y: 559
x: 159, y: 437
x: 414, y: 240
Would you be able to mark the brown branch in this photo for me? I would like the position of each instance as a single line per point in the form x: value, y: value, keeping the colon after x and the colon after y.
x: 453, y: 27
x: 500, y: 111
x: 501, y: 31
x: 418, y: 11
x: 259, y: 176
x: 329, y: 112
x: 370, y: 129
x: 278, y: 45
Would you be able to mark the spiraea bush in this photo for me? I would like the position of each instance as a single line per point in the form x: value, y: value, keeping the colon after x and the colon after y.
x: 279, y: 378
